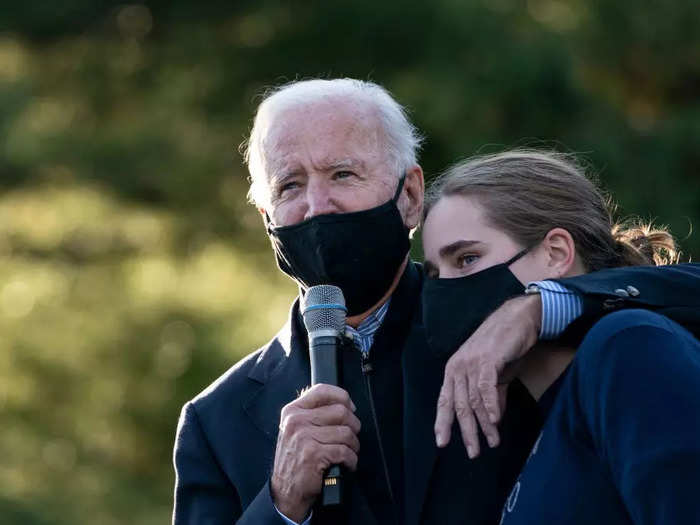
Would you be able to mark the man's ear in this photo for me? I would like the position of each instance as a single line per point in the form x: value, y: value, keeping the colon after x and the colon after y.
x: 560, y: 252
x: 411, y: 199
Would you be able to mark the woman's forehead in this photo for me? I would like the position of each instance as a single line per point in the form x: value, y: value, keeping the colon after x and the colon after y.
x: 454, y: 219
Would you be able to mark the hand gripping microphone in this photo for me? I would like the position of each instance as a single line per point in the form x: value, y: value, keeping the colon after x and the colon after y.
x: 323, y: 309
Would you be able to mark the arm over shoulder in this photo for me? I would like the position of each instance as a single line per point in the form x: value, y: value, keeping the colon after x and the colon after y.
x: 673, y: 291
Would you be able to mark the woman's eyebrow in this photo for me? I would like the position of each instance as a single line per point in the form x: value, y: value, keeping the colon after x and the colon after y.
x: 451, y: 248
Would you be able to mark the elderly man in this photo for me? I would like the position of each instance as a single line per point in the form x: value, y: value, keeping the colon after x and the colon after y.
x: 335, y: 177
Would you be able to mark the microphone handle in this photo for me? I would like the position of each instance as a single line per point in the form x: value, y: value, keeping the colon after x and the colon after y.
x: 325, y: 369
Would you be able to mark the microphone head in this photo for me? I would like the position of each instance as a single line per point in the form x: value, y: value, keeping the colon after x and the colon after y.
x: 323, y: 309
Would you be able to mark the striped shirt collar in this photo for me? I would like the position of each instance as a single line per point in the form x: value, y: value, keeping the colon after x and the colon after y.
x: 363, y: 335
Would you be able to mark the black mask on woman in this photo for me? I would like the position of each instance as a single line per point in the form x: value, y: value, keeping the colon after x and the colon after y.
x: 454, y: 308
x: 359, y: 252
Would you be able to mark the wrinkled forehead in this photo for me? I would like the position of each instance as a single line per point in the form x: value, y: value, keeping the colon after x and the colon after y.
x: 329, y: 132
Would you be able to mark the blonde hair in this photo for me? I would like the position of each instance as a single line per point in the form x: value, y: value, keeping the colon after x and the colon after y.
x: 526, y: 193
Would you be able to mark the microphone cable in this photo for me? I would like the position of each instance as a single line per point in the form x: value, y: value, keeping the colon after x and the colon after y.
x: 367, y: 369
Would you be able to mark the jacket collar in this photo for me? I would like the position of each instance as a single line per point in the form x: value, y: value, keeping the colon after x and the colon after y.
x: 283, y: 362
x: 290, y: 340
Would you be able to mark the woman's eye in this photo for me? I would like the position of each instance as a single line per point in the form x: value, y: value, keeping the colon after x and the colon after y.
x: 467, y: 259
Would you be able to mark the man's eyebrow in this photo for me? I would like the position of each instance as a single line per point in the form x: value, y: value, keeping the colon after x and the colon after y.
x: 451, y: 248
x: 281, y: 176
x: 335, y: 164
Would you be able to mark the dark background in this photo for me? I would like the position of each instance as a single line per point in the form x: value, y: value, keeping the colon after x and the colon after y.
x: 132, y: 270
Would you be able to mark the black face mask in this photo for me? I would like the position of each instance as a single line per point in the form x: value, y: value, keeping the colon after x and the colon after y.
x: 359, y: 252
x: 454, y: 308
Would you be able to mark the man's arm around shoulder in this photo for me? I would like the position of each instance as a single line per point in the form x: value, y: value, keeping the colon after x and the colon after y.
x: 672, y: 290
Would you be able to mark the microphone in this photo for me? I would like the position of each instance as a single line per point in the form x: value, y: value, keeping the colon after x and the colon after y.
x: 323, y: 309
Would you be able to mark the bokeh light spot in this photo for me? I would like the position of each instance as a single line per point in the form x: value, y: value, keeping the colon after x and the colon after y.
x: 16, y: 299
x: 13, y: 60
x: 556, y: 14
x: 134, y: 21
x: 172, y: 360
x: 175, y: 352
x: 49, y: 115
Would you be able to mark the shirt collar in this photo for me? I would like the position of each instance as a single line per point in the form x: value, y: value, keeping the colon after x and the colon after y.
x: 363, y: 335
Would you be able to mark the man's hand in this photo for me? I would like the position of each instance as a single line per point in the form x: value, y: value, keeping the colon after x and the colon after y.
x: 471, y: 385
x: 317, y: 430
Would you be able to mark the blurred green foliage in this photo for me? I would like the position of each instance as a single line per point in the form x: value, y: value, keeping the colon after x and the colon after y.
x: 132, y: 270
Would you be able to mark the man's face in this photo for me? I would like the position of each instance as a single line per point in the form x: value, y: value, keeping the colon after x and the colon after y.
x: 326, y: 157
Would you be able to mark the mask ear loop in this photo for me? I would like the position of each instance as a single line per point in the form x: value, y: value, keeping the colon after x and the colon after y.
x: 516, y: 256
x: 268, y: 224
x: 399, y: 188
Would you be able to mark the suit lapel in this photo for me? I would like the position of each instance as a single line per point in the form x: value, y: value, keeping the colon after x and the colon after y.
x: 282, y: 371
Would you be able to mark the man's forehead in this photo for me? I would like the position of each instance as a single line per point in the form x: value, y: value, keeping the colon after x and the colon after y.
x: 325, y: 140
x: 283, y: 126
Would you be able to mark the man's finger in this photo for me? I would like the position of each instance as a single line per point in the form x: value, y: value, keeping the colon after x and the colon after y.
x: 336, y: 414
x: 445, y: 412
x: 323, y: 394
x: 502, y: 397
x: 465, y: 416
x: 339, y: 455
x: 337, y: 435
x: 488, y: 428
x: 488, y: 383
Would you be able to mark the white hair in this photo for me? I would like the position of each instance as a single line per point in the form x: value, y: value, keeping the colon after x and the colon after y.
x: 402, y: 139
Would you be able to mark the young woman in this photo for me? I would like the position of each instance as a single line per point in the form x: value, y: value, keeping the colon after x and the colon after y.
x: 621, y: 442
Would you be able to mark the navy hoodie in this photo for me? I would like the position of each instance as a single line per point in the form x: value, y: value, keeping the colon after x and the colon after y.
x: 621, y: 443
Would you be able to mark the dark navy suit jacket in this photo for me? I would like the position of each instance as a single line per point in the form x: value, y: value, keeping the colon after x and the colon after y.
x: 226, y: 436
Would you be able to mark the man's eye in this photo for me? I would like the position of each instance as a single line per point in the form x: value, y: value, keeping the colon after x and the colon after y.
x: 288, y: 186
x: 343, y: 174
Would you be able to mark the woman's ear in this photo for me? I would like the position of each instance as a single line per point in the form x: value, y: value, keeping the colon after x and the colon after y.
x: 560, y: 253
